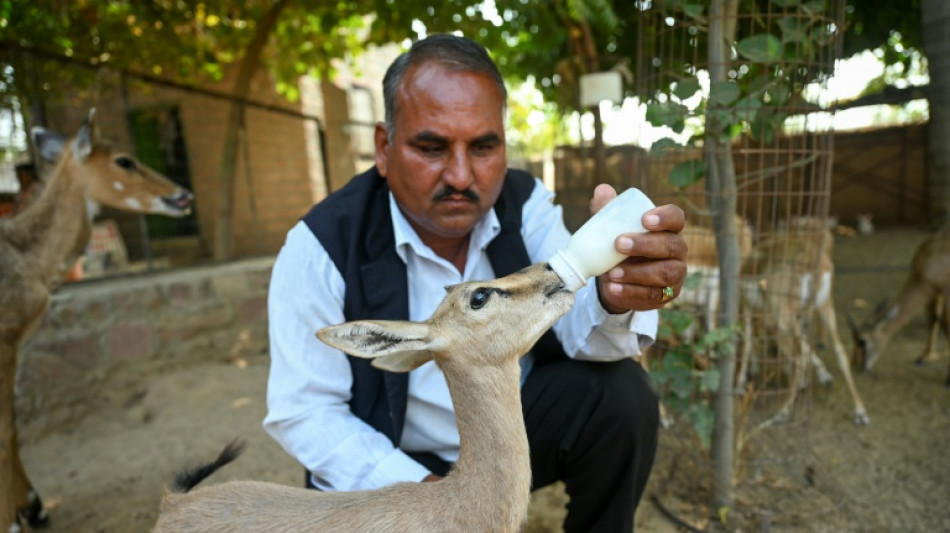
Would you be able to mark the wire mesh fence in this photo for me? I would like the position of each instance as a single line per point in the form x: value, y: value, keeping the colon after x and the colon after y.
x: 766, y: 111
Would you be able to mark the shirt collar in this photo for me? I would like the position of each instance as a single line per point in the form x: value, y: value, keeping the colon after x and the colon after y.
x: 486, y: 228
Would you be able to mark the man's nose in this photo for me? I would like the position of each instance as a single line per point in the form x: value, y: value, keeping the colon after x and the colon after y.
x: 458, y: 171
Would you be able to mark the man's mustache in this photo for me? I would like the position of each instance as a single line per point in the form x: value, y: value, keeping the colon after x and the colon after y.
x: 451, y: 191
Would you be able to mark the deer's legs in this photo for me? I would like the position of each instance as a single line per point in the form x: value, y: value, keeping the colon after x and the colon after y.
x: 944, y: 308
x: 743, y: 373
x: 824, y: 377
x: 936, y: 317
x: 915, y: 295
x: 28, y: 504
x: 8, y: 519
x: 18, y: 500
x: 826, y: 313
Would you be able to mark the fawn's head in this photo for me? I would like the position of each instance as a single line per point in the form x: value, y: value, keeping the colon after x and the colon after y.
x: 478, y: 323
x: 867, y: 349
x: 112, y: 178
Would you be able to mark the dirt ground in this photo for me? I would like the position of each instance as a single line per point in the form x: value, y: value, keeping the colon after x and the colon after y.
x: 819, y: 473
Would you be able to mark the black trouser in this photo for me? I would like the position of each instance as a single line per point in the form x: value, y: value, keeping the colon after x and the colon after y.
x: 594, y: 427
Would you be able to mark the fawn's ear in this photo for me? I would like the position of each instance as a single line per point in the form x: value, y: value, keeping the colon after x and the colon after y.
x: 82, y: 142
x: 49, y: 144
x: 393, y: 345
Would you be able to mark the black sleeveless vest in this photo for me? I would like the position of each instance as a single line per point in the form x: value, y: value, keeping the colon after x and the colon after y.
x: 354, y: 225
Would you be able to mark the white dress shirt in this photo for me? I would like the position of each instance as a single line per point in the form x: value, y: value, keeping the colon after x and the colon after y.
x: 308, y: 389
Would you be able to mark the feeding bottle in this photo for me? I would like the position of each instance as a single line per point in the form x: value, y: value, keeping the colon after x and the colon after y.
x: 591, y: 251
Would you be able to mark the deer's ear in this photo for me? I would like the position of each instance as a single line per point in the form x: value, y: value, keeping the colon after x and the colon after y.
x: 49, y: 144
x: 396, y: 346
x: 82, y: 143
x: 403, y: 361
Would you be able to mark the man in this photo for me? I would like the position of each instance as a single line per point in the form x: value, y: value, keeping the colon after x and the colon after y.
x: 440, y: 207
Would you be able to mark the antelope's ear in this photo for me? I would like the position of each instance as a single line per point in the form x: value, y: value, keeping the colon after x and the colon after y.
x: 403, y: 361
x: 49, y: 144
x: 395, y: 346
x: 82, y: 143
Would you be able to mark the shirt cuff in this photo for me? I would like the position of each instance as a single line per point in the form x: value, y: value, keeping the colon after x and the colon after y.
x: 394, y: 468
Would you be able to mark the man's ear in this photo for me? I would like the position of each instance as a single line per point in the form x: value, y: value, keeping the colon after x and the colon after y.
x: 381, y: 140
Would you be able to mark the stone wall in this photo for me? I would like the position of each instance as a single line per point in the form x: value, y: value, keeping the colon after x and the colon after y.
x: 99, y: 342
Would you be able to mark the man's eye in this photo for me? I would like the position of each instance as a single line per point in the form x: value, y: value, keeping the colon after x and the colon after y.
x: 482, y: 149
x: 480, y: 298
x: 431, y: 150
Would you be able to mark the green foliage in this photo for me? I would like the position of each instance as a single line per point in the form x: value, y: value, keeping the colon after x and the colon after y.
x: 761, y: 48
x: 872, y: 23
x: 685, y: 388
x: 775, y: 57
x: 686, y: 173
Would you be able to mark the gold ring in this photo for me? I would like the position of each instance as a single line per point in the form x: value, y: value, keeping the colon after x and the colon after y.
x: 667, y: 294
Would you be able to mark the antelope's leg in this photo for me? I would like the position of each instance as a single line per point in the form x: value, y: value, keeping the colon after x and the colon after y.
x: 944, y: 308
x: 29, y: 506
x: 936, y: 317
x: 826, y: 313
x: 8, y: 518
x: 743, y: 374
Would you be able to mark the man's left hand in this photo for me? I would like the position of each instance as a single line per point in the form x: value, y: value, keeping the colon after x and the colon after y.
x: 653, y: 273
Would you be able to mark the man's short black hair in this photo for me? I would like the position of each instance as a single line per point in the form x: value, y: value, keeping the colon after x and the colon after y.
x: 459, y: 54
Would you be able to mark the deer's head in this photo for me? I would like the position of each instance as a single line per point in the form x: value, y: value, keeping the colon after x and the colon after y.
x: 477, y: 324
x: 867, y: 348
x: 112, y: 178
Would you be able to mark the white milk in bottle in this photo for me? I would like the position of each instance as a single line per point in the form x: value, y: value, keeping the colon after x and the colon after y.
x: 591, y: 251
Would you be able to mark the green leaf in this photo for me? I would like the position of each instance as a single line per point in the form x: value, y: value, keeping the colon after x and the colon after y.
x: 815, y: 7
x: 686, y: 88
x: 664, y: 146
x: 703, y: 419
x: 762, y: 48
x: 766, y: 124
x: 746, y: 108
x: 786, y: 3
x: 709, y: 381
x: 686, y: 173
x: 724, y: 92
x: 779, y: 94
x: 694, y: 11
x: 681, y: 387
x: 793, y: 29
x: 670, y: 114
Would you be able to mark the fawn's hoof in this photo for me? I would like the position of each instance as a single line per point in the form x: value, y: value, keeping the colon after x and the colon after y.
x: 861, y: 419
x: 34, y: 514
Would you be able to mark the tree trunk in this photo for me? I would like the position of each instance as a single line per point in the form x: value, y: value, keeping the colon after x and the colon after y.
x: 592, y: 63
x: 229, y: 153
x: 721, y: 191
x: 936, y: 45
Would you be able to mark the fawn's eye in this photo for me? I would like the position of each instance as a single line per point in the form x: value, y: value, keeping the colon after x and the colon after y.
x: 125, y: 162
x: 480, y: 297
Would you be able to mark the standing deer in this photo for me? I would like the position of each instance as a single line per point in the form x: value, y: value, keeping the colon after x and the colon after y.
x: 476, y: 336
x: 927, y: 285
x: 37, y: 247
x: 785, y: 293
x: 703, y: 263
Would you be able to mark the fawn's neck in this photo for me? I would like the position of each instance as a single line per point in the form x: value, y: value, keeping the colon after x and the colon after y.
x: 493, y: 467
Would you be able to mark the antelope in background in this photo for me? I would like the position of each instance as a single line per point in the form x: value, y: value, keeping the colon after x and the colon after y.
x: 703, y: 263
x: 784, y: 288
x: 37, y: 247
x: 925, y: 286
x: 476, y: 337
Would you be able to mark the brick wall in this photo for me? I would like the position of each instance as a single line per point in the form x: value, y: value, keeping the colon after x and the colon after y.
x: 99, y: 342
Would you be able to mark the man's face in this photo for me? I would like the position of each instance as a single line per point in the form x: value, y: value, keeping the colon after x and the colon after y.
x: 446, y: 162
